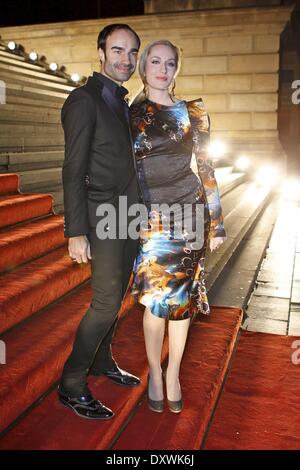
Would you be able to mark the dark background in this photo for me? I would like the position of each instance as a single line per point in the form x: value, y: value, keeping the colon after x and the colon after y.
x: 24, y: 12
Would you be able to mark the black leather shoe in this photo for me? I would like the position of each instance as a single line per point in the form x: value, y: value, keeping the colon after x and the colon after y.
x: 119, y: 376
x: 86, y: 406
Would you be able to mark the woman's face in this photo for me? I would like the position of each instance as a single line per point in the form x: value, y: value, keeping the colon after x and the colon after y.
x: 160, y: 67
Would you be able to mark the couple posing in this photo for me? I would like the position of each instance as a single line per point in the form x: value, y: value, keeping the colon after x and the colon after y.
x: 144, y: 154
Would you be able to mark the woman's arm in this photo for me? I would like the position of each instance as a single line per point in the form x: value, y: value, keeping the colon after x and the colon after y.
x: 201, y: 134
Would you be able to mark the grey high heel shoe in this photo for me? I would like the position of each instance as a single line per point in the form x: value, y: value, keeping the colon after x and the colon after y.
x: 174, y: 406
x: 155, y: 405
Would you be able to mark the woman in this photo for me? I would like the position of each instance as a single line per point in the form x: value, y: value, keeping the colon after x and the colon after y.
x: 168, y: 273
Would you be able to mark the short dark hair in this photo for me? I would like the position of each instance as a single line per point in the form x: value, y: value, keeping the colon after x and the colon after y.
x: 109, y: 29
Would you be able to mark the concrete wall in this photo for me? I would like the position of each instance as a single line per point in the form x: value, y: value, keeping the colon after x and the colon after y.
x: 230, y: 59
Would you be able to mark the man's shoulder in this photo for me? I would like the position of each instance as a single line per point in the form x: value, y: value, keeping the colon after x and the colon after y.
x: 83, y: 97
x: 83, y: 92
x: 81, y: 100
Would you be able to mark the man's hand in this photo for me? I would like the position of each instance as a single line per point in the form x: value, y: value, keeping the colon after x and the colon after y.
x: 79, y: 249
x: 214, y: 243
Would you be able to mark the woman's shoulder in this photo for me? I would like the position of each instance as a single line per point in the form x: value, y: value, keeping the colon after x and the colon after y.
x: 196, y: 104
x: 198, y: 114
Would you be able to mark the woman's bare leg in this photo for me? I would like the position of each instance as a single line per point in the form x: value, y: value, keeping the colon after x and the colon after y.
x: 178, y: 331
x: 154, y: 330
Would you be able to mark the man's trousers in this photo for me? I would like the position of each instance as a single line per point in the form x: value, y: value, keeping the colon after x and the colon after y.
x: 111, y: 266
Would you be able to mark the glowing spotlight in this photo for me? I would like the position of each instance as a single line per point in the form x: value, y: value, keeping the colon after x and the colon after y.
x: 291, y: 189
x: 75, y: 77
x: 12, y: 45
x: 216, y: 149
x: 53, y: 66
x: 267, y: 176
x: 242, y: 163
x: 33, y: 55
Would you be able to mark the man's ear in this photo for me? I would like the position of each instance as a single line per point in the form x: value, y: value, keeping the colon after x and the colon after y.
x: 101, y: 54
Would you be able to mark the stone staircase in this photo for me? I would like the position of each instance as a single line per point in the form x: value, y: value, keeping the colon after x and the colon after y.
x: 31, y: 140
x: 43, y: 297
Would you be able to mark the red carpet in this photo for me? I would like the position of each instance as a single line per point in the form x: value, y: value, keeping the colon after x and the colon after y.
x: 208, y: 350
x: 9, y: 183
x: 260, y: 405
x: 51, y: 426
x: 28, y: 241
x: 37, y: 284
x: 16, y: 208
x: 36, y: 349
x: 36, y: 352
x: 43, y: 296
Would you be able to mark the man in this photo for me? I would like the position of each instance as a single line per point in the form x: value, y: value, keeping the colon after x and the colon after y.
x: 98, y: 168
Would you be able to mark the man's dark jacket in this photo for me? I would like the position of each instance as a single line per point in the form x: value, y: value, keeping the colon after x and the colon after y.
x: 98, y: 164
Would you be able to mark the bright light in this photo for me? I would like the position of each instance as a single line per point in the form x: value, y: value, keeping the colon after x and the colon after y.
x: 75, y: 77
x: 216, y: 149
x: 33, y: 55
x: 53, y: 66
x: 291, y: 189
x: 242, y: 163
x: 12, y: 45
x: 267, y: 176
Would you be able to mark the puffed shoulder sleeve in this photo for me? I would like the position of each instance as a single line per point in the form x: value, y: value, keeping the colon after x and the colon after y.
x: 200, y: 123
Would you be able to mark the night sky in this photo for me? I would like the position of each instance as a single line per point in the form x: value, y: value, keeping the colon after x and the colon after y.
x: 22, y: 12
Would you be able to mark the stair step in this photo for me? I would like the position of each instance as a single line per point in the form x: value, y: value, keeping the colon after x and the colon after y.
x: 43, y: 343
x: 29, y: 69
x: 19, y: 113
x: 58, y: 197
x: 44, y: 83
x: 34, y: 92
x: 252, y: 199
x: 20, y: 207
x: 46, y: 424
x: 19, y: 129
x: 24, y: 161
x: 260, y: 403
x: 23, y: 64
x: 33, y: 180
x: 32, y: 100
x: 9, y: 183
x: 29, y: 241
x: 31, y: 142
x: 38, y: 283
x: 205, y: 362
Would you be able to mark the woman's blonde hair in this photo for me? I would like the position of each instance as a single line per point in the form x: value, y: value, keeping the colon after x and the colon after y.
x: 142, y: 94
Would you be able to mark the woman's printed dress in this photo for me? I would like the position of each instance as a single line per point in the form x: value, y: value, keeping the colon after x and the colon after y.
x: 168, y: 273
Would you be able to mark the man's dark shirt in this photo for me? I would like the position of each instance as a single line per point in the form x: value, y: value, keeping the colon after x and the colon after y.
x: 118, y: 91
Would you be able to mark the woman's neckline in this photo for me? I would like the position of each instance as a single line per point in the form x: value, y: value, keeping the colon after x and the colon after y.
x: 166, y: 105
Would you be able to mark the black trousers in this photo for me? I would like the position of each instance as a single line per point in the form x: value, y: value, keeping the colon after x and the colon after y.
x: 111, y: 266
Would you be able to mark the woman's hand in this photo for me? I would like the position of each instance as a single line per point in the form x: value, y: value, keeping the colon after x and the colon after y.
x: 214, y: 243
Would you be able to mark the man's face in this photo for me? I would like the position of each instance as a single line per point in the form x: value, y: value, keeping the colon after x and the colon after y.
x: 120, y: 57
